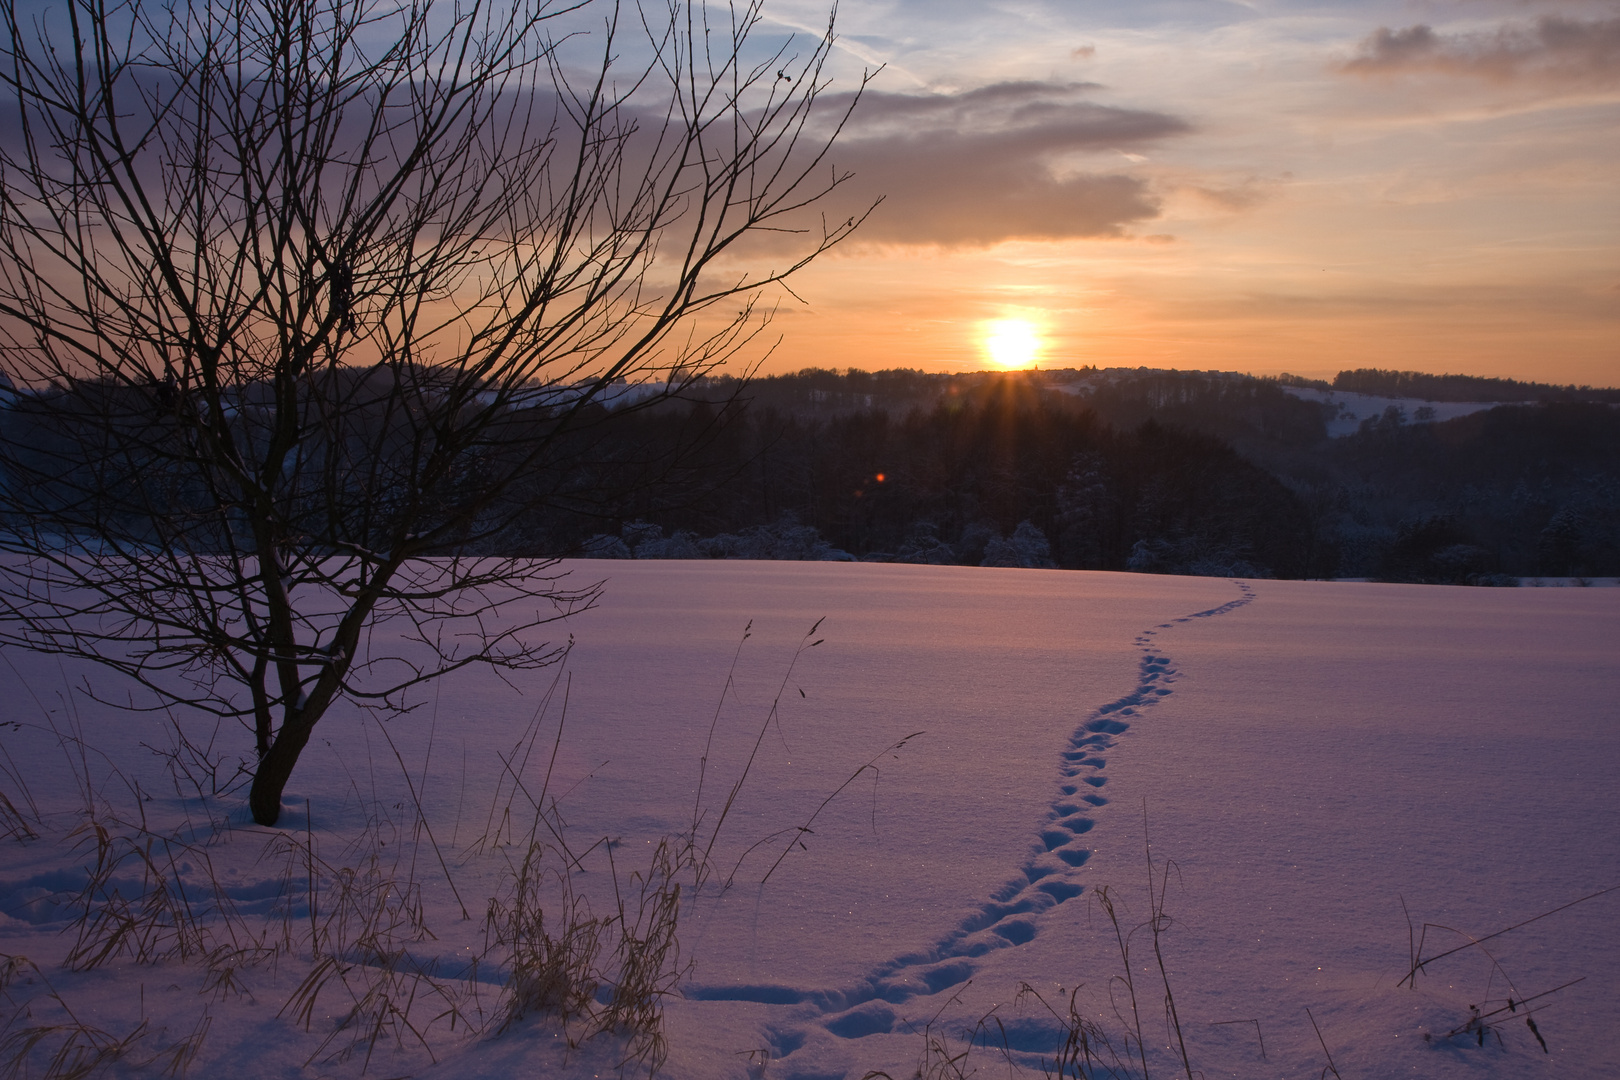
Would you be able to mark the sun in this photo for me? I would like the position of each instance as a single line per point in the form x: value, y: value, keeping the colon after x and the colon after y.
x: 1012, y: 343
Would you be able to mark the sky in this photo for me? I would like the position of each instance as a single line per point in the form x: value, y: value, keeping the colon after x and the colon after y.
x: 1265, y: 186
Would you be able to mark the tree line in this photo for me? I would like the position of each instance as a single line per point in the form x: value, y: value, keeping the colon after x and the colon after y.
x: 1415, y: 384
x: 1194, y: 473
x: 1158, y: 471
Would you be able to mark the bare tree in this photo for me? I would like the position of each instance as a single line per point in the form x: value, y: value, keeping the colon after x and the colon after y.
x: 305, y: 302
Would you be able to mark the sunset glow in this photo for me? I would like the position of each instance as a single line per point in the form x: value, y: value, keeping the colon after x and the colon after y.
x: 1261, y: 188
x: 1012, y: 343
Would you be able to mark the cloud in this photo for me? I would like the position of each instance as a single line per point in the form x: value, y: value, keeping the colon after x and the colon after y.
x: 1553, y: 48
x: 1233, y: 198
x: 998, y: 162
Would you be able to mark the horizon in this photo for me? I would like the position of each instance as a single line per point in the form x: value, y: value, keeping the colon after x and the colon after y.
x: 1264, y: 189
x: 1294, y: 377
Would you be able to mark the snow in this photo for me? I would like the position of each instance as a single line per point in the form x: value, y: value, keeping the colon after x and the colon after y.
x: 1355, y: 408
x: 1306, y: 756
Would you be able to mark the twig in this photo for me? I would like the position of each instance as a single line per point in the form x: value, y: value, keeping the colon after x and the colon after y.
x: 1107, y: 902
x: 1513, y: 1006
x: 805, y: 828
x: 1156, y: 912
x: 1256, y: 1023
x: 1411, y: 942
x: 714, y: 722
x: 421, y: 817
x: 1419, y: 965
x: 772, y: 714
x: 1330, y: 1065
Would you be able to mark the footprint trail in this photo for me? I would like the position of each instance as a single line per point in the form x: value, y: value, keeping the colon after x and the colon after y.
x: 1047, y: 877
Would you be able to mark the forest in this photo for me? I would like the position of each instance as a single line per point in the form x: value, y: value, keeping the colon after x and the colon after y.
x: 1416, y: 384
x: 1203, y: 473
x: 1162, y: 471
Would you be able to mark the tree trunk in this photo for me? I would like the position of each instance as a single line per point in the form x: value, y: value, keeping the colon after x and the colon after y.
x: 275, y: 768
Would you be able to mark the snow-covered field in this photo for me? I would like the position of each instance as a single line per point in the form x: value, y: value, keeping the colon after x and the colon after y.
x: 1355, y: 408
x: 1318, y: 766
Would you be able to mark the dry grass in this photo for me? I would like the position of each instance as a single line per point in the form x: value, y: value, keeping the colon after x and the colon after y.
x: 1488, y: 1021
x: 164, y: 916
x: 646, y: 961
x: 348, y: 927
x: 149, y: 898
x: 946, y: 1058
x: 65, y: 1047
x: 599, y: 974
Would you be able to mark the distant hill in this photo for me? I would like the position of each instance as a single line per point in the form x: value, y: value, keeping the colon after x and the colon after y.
x: 1179, y: 471
x: 1416, y: 384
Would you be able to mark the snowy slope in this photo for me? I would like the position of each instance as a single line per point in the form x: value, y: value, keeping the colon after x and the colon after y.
x: 1307, y: 754
x: 1354, y: 409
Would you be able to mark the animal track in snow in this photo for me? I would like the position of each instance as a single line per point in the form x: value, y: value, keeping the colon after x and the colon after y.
x: 1010, y: 918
